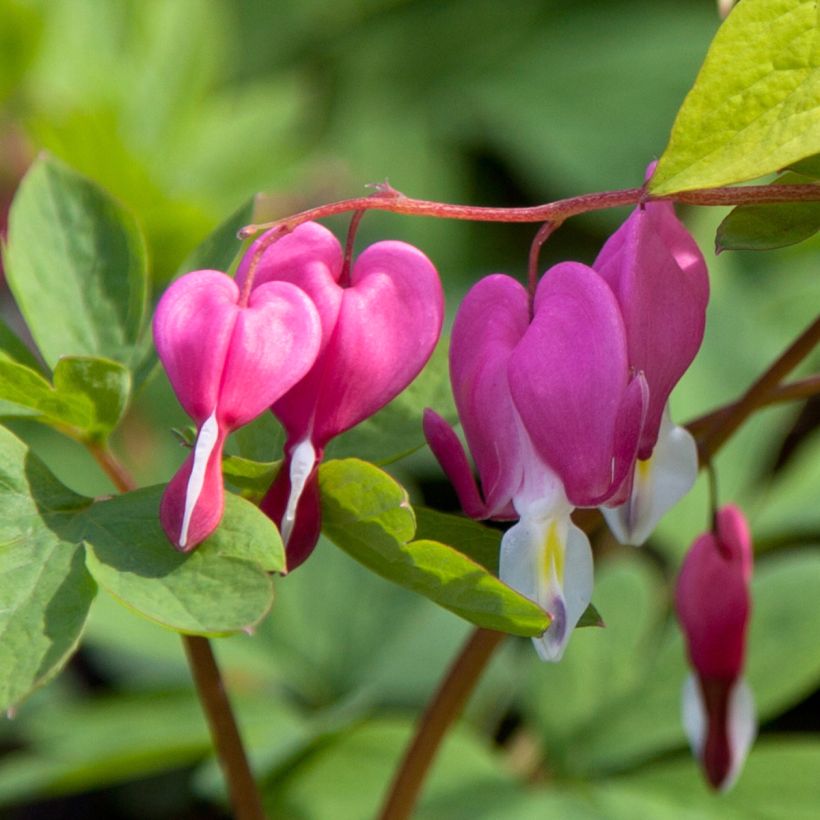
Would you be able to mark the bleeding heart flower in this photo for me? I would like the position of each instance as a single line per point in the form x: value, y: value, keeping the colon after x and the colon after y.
x: 227, y: 362
x: 660, y: 280
x: 379, y: 327
x: 553, y: 421
x: 713, y: 606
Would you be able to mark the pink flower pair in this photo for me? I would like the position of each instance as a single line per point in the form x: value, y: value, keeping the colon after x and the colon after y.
x: 323, y: 349
x: 563, y: 405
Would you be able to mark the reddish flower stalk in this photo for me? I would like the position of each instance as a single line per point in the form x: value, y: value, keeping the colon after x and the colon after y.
x: 396, y: 202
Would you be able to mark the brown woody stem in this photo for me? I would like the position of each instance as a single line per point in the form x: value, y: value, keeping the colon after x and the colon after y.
x: 245, y: 800
x: 441, y: 712
x: 757, y: 394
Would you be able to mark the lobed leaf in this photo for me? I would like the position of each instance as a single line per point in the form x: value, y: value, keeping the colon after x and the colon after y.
x: 45, y: 589
x: 220, y: 588
x: 88, y: 398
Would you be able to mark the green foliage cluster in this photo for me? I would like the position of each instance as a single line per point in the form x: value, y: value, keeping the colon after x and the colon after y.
x: 178, y: 110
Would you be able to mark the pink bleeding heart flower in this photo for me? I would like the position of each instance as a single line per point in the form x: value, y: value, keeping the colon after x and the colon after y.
x: 380, y: 324
x: 713, y: 604
x: 227, y: 362
x: 553, y: 421
x: 659, y: 278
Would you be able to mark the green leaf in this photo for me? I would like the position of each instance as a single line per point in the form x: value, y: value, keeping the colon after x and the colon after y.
x: 74, y: 747
x: 45, y: 590
x: 219, y: 249
x: 765, y: 227
x: 477, y: 541
x: 754, y: 106
x: 105, y: 383
x: 76, y: 265
x: 347, y: 776
x: 809, y: 167
x: 88, y: 399
x: 367, y: 514
x: 252, y: 477
x: 220, y: 588
x: 11, y: 345
x: 779, y: 779
x: 25, y: 392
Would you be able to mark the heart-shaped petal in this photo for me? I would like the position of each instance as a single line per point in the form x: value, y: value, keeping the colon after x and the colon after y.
x: 388, y: 323
x: 274, y: 343
x: 490, y: 322
x: 235, y: 360
x: 659, y: 278
x: 193, y: 325
x: 569, y: 380
x: 309, y: 257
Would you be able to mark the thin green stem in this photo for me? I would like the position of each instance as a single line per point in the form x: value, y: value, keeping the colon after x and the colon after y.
x: 245, y: 799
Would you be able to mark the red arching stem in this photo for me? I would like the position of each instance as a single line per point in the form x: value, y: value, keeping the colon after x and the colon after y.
x: 558, y: 211
x: 344, y: 276
x: 264, y: 243
x: 544, y: 233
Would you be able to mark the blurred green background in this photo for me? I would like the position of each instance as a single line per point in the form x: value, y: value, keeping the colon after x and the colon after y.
x: 184, y: 109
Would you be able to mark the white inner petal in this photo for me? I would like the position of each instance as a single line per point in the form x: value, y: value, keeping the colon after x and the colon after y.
x: 548, y: 560
x: 693, y: 715
x: 659, y: 483
x: 205, y: 443
x: 302, y: 461
x: 742, y: 729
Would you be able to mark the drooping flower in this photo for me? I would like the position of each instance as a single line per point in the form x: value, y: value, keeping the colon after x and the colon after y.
x: 713, y: 604
x: 660, y: 280
x: 380, y: 322
x: 553, y: 420
x: 227, y: 362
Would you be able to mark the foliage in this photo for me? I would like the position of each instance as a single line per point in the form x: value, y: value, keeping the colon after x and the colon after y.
x: 157, y: 121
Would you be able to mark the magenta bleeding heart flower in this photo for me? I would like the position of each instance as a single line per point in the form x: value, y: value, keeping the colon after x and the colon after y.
x: 227, y: 362
x: 380, y: 322
x: 660, y: 280
x: 713, y: 604
x: 553, y: 418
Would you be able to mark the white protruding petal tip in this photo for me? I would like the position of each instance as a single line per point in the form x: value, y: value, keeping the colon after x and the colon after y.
x: 659, y: 483
x: 742, y: 729
x: 205, y: 443
x: 693, y: 715
x: 302, y: 461
x: 549, y: 561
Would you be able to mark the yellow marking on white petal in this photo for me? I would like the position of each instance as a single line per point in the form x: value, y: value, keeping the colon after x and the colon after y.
x: 553, y: 553
x: 205, y: 443
x: 643, y: 468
